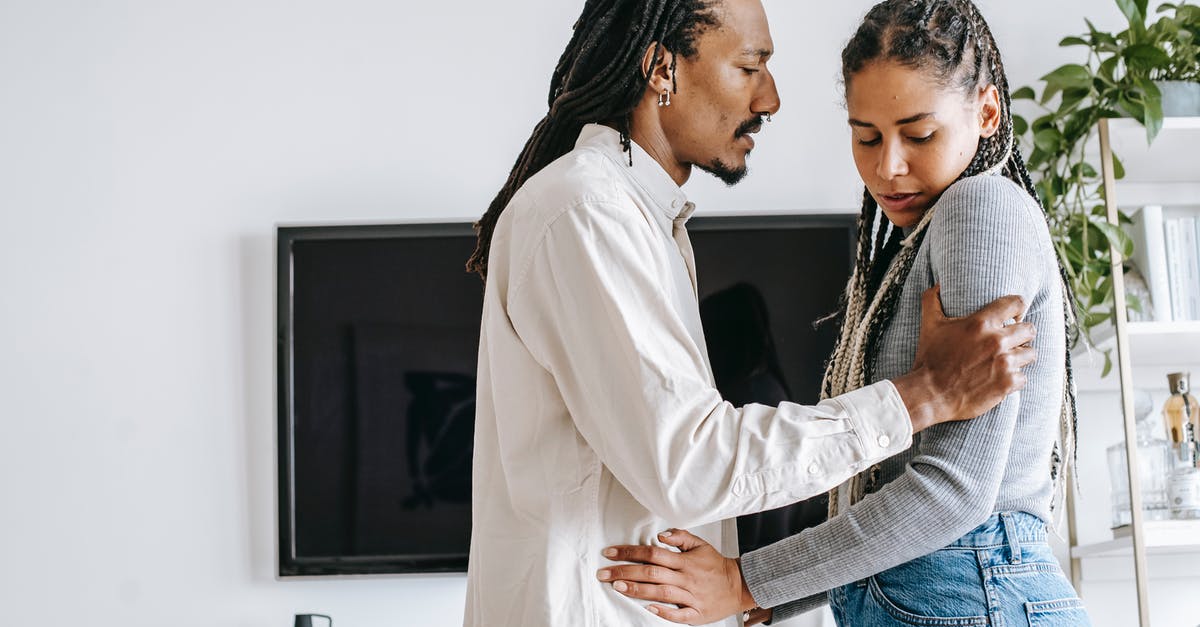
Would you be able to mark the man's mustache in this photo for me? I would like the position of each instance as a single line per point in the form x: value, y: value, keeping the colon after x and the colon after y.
x: 753, y: 125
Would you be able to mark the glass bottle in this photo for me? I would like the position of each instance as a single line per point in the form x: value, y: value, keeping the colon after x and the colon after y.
x: 1181, y: 408
x: 1184, y: 487
x: 1154, y: 466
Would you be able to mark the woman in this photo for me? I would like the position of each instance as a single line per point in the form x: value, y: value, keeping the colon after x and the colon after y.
x: 953, y: 532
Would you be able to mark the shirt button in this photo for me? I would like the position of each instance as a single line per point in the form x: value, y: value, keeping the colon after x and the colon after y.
x: 814, y: 469
x: 884, y: 441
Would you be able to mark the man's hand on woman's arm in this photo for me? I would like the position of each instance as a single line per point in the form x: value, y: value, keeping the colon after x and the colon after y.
x: 700, y: 585
x: 966, y: 366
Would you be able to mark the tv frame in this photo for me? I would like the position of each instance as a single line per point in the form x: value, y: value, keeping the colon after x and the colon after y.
x: 289, y: 563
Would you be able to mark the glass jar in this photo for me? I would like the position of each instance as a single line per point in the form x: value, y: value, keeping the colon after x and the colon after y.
x: 1155, y: 461
x: 1181, y: 407
x: 1183, y: 489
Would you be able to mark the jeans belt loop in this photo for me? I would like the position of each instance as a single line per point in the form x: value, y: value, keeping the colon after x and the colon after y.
x: 1014, y: 540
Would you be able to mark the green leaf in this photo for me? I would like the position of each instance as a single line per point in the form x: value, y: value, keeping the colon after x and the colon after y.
x: 1153, y: 112
x: 1108, y: 70
x: 1095, y: 319
x: 1135, y: 12
x: 1116, y: 236
x: 1048, y: 140
x: 1132, y: 106
x: 1118, y: 167
x: 1145, y: 57
x: 1024, y: 93
x: 1072, y: 97
x: 1108, y: 364
x: 1071, y: 75
x: 1020, y: 126
x: 1133, y: 303
x: 1083, y: 170
x: 1072, y: 41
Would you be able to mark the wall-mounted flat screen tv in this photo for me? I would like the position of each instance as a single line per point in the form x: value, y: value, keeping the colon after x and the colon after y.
x: 378, y: 331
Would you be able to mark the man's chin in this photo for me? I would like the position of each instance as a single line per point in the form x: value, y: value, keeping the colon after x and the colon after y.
x: 728, y: 175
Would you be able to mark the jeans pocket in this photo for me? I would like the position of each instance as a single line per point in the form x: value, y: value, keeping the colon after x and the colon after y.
x: 1057, y: 613
x: 921, y: 616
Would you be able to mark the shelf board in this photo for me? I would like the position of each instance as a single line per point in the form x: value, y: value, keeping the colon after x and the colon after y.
x: 1120, y: 547
x: 1169, y: 537
x: 1158, y: 348
x: 1179, y: 123
x: 1155, y: 343
x: 1164, y: 173
x: 1134, y: 195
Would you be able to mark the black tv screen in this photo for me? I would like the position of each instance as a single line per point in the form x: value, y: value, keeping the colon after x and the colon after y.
x: 378, y: 333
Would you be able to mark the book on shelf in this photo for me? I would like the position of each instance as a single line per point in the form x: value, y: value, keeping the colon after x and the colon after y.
x: 1150, y: 258
x: 1183, y: 267
x: 1167, y: 254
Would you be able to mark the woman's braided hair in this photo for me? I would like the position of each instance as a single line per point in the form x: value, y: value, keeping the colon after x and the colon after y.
x: 948, y: 40
x: 599, y: 79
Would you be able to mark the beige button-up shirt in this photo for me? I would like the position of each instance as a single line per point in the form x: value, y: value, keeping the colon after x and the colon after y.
x: 598, y: 421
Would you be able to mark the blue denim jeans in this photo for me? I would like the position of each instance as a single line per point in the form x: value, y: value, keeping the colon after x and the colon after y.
x: 1001, y: 574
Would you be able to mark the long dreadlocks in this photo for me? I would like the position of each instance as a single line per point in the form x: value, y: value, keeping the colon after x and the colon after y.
x: 948, y: 40
x: 599, y: 79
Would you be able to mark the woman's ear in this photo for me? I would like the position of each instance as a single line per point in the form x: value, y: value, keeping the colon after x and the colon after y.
x: 989, y: 111
x: 657, y: 72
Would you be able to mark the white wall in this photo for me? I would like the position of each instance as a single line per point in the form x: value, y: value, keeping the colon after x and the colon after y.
x: 148, y: 148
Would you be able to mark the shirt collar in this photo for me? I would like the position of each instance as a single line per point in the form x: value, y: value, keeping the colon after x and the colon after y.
x: 646, y: 172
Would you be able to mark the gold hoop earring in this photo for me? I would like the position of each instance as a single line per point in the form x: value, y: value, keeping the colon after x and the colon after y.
x: 664, y: 99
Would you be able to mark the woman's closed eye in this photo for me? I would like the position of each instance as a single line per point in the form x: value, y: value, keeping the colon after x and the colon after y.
x: 874, y: 141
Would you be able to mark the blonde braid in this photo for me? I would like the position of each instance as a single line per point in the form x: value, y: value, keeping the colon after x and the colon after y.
x: 854, y: 357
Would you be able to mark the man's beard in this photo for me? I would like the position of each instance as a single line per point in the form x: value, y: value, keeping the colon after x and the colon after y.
x: 729, y: 175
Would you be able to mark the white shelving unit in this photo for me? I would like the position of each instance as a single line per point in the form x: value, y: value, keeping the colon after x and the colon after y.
x: 1144, y: 351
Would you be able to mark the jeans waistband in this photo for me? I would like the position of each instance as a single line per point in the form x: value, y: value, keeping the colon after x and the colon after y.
x: 1004, y: 528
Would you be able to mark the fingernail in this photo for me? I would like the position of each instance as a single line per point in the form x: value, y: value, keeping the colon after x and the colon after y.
x: 604, y: 575
x: 666, y: 534
x: 653, y: 610
x: 610, y: 552
x: 620, y: 586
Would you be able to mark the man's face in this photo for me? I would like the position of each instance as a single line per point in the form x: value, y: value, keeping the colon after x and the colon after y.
x: 724, y: 91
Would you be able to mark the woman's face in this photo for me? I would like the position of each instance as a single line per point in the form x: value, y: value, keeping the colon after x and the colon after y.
x: 912, y: 137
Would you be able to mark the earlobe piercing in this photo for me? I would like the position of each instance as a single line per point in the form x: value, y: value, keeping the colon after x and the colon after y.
x: 664, y: 99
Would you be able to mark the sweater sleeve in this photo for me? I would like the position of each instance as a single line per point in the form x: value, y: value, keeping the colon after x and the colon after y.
x: 980, y: 243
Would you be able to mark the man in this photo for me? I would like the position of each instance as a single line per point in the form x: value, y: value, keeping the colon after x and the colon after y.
x: 598, y: 420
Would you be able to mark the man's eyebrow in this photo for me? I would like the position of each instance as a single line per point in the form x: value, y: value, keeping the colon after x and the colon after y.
x: 901, y: 122
x: 762, y: 53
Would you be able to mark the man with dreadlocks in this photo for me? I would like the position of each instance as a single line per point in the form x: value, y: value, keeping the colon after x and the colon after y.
x: 598, y: 417
x: 952, y: 531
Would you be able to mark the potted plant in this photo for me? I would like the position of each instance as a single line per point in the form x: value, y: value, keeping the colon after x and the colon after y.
x: 1124, y: 75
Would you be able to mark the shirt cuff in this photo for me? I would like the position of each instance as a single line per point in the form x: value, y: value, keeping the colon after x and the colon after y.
x: 880, y: 419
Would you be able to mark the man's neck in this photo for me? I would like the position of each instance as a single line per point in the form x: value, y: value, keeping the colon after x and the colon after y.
x: 653, y: 140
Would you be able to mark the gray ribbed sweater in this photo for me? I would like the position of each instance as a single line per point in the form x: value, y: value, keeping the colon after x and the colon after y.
x: 987, y: 239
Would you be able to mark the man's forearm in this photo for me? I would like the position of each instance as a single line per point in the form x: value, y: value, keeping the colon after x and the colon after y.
x: 923, y: 402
